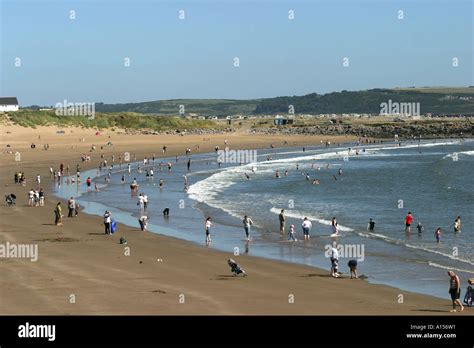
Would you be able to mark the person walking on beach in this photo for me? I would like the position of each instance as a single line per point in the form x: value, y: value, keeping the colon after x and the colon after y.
x: 457, y: 225
x: 207, y: 226
x: 292, y: 234
x: 408, y: 221
x: 107, y: 222
x: 306, y: 225
x: 281, y: 217
x: 438, y: 235
x: 58, y: 215
x: 247, y: 223
x: 455, y: 291
x: 71, y: 204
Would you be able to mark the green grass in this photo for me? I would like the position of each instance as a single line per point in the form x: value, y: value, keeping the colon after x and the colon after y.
x: 130, y: 120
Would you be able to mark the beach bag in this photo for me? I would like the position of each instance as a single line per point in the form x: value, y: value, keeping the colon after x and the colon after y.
x: 113, y: 226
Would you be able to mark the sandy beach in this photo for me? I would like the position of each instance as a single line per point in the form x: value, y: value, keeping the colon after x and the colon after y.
x: 162, y: 275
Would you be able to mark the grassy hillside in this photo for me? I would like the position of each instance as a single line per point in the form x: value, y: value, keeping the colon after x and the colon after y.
x: 29, y: 118
x: 208, y: 107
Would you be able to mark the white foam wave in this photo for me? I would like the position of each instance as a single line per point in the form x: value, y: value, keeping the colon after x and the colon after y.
x: 450, y: 268
x: 450, y: 256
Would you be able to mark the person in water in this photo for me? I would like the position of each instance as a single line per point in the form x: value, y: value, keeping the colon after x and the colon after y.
x: 408, y: 221
x: 438, y: 235
x: 306, y: 226
x: 420, y: 227
x: 247, y: 223
x: 292, y: 234
x: 207, y: 225
x: 457, y: 225
x: 371, y: 226
x: 281, y: 218
x: 334, y: 226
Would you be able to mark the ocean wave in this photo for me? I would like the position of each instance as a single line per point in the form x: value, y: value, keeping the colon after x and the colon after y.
x: 300, y: 215
x: 449, y: 268
x: 450, y: 256
x: 466, y: 153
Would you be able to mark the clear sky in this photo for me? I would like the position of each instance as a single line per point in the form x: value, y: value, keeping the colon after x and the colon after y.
x: 83, y: 59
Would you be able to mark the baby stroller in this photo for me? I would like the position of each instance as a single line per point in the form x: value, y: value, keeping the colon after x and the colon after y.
x: 235, y: 268
x: 10, y: 199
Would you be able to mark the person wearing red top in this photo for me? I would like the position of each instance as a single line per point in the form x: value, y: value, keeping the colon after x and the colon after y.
x: 408, y: 220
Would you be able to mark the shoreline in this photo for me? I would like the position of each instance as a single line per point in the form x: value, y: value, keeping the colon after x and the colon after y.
x: 204, y: 278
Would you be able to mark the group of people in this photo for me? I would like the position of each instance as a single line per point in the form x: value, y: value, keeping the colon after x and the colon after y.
x: 438, y: 232
x: 36, y: 198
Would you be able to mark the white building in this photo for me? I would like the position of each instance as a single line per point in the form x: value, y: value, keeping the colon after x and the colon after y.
x: 8, y: 104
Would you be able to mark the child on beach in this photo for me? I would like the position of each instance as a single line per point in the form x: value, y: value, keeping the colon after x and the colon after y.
x: 292, y: 234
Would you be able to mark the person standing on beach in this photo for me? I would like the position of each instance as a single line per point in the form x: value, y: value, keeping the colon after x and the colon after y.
x: 457, y: 225
x: 71, y: 204
x: 306, y: 225
x: 247, y: 223
x: 207, y: 225
x: 58, y: 215
x: 107, y: 222
x: 281, y: 217
x: 408, y: 220
x: 455, y: 291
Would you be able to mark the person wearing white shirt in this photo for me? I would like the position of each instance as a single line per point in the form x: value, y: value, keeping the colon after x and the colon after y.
x: 107, y: 222
x: 306, y: 225
x: 31, y: 196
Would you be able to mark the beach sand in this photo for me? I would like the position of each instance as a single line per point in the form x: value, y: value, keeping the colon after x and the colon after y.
x: 162, y: 275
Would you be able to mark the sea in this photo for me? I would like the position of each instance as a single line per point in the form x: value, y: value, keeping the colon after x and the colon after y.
x: 432, y: 179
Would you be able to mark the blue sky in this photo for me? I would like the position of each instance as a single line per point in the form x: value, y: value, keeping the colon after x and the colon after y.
x: 82, y: 60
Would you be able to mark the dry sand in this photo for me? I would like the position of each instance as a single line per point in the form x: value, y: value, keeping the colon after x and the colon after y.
x: 78, y: 259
